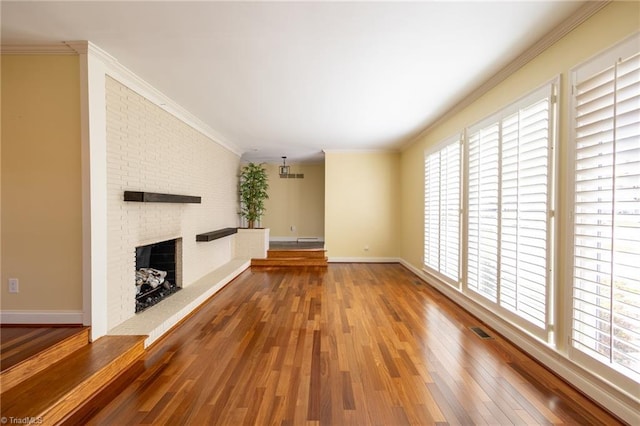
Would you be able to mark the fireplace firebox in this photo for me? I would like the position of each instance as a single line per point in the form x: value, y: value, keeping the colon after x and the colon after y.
x: 158, y: 272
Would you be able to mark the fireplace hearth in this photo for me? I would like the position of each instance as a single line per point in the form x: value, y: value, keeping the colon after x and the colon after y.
x: 157, y: 277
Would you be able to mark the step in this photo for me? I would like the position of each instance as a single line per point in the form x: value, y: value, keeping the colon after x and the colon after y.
x: 307, y: 253
x: 289, y: 261
x: 61, y: 389
x: 35, y: 350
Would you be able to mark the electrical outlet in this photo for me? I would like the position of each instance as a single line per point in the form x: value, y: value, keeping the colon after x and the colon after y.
x: 13, y: 285
x: 366, y: 248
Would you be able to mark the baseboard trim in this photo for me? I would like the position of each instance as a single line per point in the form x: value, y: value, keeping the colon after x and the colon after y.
x: 41, y: 317
x: 295, y: 239
x: 364, y: 260
x: 598, y: 389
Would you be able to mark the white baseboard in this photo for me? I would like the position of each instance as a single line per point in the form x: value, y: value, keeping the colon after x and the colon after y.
x: 605, y: 393
x: 41, y: 317
x: 363, y: 260
x: 295, y: 239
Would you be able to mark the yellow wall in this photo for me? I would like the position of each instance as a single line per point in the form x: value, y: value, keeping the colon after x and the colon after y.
x: 362, y: 204
x: 41, y: 183
x: 297, y: 203
x: 612, y: 24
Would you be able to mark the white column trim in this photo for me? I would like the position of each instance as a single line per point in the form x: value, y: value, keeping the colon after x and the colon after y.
x: 94, y: 189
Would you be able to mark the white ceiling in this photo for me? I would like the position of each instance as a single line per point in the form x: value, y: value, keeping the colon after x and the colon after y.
x: 296, y: 78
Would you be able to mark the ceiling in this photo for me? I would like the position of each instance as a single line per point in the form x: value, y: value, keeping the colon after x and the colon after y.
x: 296, y: 78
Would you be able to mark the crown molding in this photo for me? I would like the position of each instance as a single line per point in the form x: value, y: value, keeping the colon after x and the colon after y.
x: 361, y: 151
x: 119, y: 72
x: 589, y: 9
x: 37, y: 49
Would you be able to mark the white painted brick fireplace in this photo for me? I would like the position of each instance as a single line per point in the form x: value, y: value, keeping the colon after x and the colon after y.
x: 149, y: 149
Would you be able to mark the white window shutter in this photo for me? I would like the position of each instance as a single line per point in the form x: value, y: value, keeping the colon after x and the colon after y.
x: 442, y: 211
x: 482, y: 258
x: 508, y: 214
x: 606, y: 259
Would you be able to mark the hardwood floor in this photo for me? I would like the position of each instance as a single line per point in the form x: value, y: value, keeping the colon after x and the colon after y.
x: 348, y: 344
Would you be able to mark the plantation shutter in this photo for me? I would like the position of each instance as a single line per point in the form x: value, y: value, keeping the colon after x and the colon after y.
x: 482, y: 258
x: 606, y: 261
x: 442, y: 210
x: 508, y: 221
x: 524, y: 183
x: 432, y: 211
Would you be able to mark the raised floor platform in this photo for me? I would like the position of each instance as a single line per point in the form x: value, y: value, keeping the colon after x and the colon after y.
x: 58, y: 372
x: 295, y: 253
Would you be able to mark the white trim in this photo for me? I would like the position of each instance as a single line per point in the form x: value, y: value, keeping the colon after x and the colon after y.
x: 283, y: 239
x: 37, y: 49
x: 547, y: 90
x: 94, y: 185
x: 41, y: 317
x: 595, y: 64
x: 362, y: 151
x: 364, y: 260
x: 296, y: 239
x: 589, y: 9
x: 605, y: 393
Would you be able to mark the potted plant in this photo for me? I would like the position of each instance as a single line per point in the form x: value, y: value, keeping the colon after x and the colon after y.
x: 253, y: 192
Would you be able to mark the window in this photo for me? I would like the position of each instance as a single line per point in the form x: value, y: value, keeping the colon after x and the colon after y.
x: 510, y: 157
x: 606, y: 216
x: 442, y: 210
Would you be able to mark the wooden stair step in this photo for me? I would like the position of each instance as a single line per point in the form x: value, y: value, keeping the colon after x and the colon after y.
x: 289, y: 261
x: 31, y: 352
x: 306, y: 253
x: 61, y: 389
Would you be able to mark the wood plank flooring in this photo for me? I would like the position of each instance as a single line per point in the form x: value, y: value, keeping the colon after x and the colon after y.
x: 352, y: 344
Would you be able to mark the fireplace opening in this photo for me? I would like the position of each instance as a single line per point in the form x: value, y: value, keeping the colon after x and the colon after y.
x: 157, y: 273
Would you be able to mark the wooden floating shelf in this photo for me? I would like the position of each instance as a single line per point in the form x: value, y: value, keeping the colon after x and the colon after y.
x: 154, y: 197
x: 217, y: 234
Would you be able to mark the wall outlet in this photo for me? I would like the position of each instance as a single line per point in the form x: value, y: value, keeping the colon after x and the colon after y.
x: 366, y: 248
x: 293, y: 228
x: 13, y: 285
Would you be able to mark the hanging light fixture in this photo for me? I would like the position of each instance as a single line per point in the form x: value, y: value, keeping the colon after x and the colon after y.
x: 284, y: 169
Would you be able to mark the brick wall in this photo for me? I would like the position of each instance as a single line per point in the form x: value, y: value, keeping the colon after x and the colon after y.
x: 150, y: 150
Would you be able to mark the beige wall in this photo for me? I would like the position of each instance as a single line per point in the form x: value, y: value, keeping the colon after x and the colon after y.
x: 297, y: 203
x: 362, y: 204
x: 614, y: 23
x: 41, y: 183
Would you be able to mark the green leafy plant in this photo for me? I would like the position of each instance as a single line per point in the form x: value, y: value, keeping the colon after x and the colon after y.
x: 253, y: 191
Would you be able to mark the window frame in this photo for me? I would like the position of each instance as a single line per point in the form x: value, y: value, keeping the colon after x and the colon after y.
x: 588, y: 68
x: 548, y: 90
x: 439, y: 147
x: 546, y: 333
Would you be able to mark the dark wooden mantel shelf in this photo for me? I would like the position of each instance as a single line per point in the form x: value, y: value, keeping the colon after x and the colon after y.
x: 217, y: 234
x: 154, y: 197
